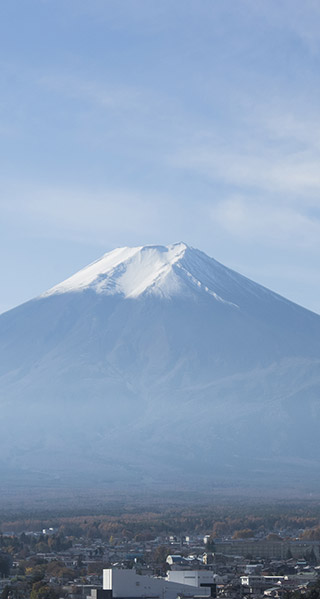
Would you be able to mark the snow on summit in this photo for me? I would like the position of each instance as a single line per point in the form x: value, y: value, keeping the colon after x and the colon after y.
x: 129, y: 272
x: 165, y: 271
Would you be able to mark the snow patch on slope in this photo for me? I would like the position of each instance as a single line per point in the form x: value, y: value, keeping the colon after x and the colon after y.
x: 203, y: 287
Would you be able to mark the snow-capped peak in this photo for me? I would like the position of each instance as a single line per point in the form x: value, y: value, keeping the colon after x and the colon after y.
x: 129, y: 272
x: 164, y: 271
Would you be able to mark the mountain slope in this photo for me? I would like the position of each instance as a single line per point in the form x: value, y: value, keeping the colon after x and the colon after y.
x: 160, y: 365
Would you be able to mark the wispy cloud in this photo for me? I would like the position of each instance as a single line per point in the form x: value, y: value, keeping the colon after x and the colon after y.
x: 270, y: 223
x: 95, y: 216
x: 301, y: 19
x: 91, y: 90
x: 296, y: 174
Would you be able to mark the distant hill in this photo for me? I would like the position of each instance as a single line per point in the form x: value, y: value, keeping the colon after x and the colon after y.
x: 158, y: 367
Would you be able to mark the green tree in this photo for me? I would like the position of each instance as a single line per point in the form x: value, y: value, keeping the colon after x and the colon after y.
x: 5, y: 564
x: 160, y: 554
x: 41, y: 591
x: 5, y: 592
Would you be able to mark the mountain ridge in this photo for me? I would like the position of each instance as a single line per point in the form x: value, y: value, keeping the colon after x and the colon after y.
x: 93, y: 276
x: 130, y: 382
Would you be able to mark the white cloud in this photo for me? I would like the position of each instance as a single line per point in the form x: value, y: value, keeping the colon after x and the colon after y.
x: 302, y: 19
x: 297, y: 173
x: 88, y: 215
x: 95, y: 92
x: 266, y: 222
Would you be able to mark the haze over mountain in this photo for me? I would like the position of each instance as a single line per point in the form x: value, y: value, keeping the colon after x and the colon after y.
x: 159, y: 366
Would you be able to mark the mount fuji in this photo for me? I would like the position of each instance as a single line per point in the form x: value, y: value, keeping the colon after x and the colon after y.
x: 158, y: 367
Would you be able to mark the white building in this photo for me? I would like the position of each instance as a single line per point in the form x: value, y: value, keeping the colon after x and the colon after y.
x: 123, y: 584
x: 195, y: 578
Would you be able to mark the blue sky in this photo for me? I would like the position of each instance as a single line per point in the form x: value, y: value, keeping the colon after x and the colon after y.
x: 129, y: 122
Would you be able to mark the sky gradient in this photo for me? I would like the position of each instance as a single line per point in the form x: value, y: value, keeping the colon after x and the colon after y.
x: 130, y: 122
